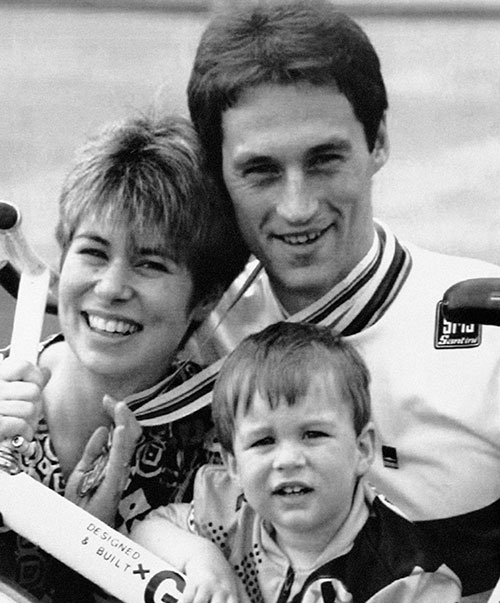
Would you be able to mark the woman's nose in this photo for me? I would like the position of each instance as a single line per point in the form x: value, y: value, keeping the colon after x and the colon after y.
x: 114, y: 282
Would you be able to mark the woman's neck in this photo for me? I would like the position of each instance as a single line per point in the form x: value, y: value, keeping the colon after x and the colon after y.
x: 71, y: 379
x: 73, y: 402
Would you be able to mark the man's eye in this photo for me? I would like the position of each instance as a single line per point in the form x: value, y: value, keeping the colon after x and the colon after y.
x: 261, y: 170
x: 325, y: 160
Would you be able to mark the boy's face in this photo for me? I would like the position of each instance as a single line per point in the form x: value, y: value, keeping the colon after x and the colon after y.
x: 297, y: 167
x: 123, y: 308
x: 298, y: 465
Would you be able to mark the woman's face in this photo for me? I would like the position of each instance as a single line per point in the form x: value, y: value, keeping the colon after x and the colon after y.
x: 124, y: 305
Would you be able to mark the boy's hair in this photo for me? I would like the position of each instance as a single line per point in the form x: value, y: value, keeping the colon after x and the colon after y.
x: 282, y: 42
x: 148, y: 175
x: 280, y: 363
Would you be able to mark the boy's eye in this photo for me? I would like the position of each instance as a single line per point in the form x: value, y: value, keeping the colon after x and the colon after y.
x: 266, y: 441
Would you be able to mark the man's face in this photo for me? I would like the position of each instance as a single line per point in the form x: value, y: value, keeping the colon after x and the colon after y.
x: 298, y: 169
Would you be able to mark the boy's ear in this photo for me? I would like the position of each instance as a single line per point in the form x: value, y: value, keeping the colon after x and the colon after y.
x: 231, y: 465
x: 366, y: 448
x: 380, y: 153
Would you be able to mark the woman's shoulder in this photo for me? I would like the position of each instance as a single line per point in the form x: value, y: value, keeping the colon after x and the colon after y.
x: 52, y: 351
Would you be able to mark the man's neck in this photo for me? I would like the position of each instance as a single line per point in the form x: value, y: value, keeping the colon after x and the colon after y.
x: 295, y: 299
x: 292, y: 302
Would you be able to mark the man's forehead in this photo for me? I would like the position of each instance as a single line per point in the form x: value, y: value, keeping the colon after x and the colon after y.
x: 254, y: 95
x: 294, y: 115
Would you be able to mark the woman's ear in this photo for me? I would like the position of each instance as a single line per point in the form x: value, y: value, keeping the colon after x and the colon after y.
x: 198, y: 314
x: 203, y: 308
x: 380, y: 153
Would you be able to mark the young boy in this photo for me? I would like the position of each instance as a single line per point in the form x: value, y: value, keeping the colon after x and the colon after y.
x: 290, y: 510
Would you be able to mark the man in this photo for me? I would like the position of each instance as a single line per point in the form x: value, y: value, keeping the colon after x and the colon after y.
x: 290, y: 105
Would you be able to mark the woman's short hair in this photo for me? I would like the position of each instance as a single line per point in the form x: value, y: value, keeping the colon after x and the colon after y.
x: 149, y: 175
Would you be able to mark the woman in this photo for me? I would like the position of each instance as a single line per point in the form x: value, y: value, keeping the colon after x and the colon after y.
x: 146, y: 252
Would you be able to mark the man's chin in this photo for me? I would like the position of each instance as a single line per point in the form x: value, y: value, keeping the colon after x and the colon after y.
x: 307, y: 283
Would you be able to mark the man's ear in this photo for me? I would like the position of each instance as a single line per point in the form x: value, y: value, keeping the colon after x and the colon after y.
x: 380, y: 153
x: 366, y: 448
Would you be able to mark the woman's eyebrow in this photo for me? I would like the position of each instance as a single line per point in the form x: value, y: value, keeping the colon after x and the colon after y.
x: 150, y: 250
x: 160, y: 250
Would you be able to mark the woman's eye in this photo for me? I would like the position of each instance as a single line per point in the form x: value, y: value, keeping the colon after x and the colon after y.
x: 92, y: 252
x: 152, y: 265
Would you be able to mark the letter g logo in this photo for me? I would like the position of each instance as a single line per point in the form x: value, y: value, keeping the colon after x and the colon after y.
x: 161, y: 590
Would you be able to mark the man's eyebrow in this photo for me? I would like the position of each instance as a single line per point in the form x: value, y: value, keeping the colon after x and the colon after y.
x: 248, y: 158
x: 335, y: 144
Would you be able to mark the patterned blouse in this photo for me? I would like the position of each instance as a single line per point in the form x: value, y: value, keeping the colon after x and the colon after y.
x: 163, y: 467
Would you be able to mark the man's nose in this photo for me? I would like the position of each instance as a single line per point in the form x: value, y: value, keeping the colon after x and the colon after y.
x: 298, y: 202
x: 114, y: 282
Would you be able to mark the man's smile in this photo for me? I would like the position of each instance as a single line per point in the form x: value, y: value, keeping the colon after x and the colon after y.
x: 302, y: 238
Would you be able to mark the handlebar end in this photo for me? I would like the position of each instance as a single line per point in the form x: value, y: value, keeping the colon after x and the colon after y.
x: 9, y: 216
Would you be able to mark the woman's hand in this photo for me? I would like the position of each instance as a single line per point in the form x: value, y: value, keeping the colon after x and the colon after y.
x: 105, y: 463
x: 21, y: 401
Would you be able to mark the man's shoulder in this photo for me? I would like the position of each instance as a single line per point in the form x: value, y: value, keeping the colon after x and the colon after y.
x: 447, y: 264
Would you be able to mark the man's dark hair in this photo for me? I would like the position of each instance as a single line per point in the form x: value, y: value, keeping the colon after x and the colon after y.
x: 285, y: 43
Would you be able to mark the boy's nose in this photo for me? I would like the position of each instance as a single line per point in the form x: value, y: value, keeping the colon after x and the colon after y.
x: 287, y: 455
x: 298, y: 202
x: 113, y: 282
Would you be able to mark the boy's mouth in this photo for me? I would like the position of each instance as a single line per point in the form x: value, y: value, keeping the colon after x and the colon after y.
x: 292, y: 490
x: 111, y: 326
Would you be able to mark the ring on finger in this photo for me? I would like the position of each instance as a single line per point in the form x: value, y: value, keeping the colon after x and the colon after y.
x: 19, y: 443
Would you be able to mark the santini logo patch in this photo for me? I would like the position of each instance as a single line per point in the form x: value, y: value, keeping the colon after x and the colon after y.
x: 455, y: 334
